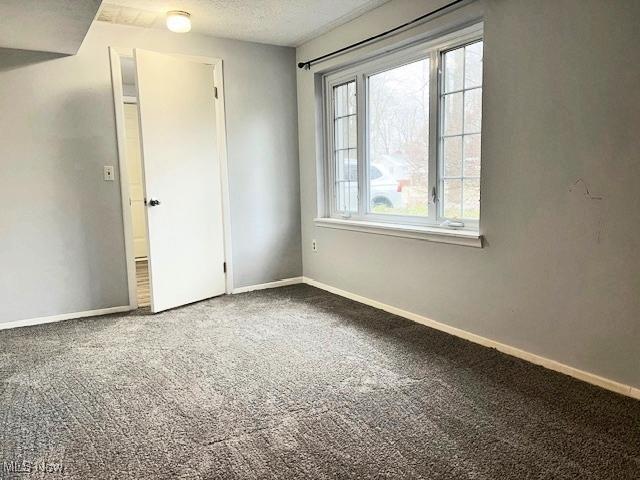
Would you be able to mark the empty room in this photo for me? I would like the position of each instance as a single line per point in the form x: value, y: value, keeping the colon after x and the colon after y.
x: 319, y: 239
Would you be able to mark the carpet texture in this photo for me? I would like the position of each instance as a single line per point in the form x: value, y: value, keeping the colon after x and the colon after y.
x: 294, y: 383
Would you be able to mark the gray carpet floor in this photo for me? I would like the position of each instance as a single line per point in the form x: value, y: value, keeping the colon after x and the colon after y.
x: 295, y: 383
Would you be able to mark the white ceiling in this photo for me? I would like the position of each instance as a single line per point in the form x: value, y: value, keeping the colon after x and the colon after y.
x: 57, y: 26
x: 278, y: 22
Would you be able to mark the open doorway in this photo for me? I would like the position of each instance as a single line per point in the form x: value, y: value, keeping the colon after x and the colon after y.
x: 172, y: 145
x: 133, y: 155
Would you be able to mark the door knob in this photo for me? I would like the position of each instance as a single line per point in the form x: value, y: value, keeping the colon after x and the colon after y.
x: 153, y: 202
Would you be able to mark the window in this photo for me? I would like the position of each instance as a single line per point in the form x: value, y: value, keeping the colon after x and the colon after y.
x: 374, y: 173
x: 403, y: 136
x: 461, y: 96
x: 345, y: 148
x: 398, y: 140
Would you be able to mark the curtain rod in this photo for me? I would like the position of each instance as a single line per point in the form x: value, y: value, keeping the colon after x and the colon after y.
x: 307, y: 65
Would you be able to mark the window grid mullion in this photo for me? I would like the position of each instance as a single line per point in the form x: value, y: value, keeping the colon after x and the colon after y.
x: 361, y: 140
x: 453, y: 135
x: 344, y: 116
x: 344, y: 149
x: 464, y: 97
x: 463, y: 89
x: 347, y: 169
x: 461, y: 177
x: 434, y: 131
x: 440, y: 139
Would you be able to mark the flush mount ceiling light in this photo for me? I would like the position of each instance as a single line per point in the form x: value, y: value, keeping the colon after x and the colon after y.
x: 178, y: 21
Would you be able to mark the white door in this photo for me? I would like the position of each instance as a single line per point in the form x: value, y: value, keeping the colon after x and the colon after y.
x: 136, y: 189
x: 182, y: 173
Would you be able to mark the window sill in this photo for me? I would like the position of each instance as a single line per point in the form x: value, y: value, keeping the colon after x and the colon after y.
x: 431, y: 234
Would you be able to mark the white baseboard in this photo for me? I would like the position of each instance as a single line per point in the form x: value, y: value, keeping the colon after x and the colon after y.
x: 263, y: 286
x: 65, y: 316
x: 509, y: 350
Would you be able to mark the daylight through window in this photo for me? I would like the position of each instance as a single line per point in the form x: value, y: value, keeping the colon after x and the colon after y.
x: 404, y: 135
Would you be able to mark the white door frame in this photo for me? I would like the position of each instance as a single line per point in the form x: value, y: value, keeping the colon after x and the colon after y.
x: 221, y: 134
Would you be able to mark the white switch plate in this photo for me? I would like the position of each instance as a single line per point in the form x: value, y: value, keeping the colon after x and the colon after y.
x: 108, y: 173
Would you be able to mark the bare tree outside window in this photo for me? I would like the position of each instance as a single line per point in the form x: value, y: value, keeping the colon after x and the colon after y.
x: 398, y: 104
x: 404, y: 135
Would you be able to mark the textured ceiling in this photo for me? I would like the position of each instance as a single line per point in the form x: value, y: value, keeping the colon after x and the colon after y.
x: 57, y: 26
x: 278, y: 22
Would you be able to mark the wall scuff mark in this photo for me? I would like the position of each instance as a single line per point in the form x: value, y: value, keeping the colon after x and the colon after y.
x: 587, y: 193
x: 580, y: 184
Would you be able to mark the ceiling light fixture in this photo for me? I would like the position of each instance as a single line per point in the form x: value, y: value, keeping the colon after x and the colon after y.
x: 178, y: 21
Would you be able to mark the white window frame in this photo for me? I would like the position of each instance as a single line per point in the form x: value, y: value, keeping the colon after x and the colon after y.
x: 360, y: 72
x: 330, y: 84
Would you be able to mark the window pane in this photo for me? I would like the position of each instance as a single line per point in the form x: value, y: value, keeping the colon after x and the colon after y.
x: 346, y: 184
x: 471, y: 156
x: 346, y: 132
x: 346, y: 165
x: 398, y: 108
x: 452, y: 198
x: 462, y: 124
x: 473, y: 65
x: 453, y: 114
x: 374, y: 173
x: 345, y: 153
x: 351, y: 98
x: 453, y: 68
x: 340, y: 99
x: 472, y: 110
x: 471, y: 194
x: 452, y: 156
x: 345, y: 99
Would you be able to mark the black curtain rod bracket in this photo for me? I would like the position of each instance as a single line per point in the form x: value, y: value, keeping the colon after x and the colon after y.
x: 307, y: 65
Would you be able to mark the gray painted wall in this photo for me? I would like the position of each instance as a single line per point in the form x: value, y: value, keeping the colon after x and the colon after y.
x: 56, y: 26
x: 560, y: 273
x: 61, y: 234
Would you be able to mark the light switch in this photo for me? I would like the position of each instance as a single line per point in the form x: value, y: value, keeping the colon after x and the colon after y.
x: 108, y: 173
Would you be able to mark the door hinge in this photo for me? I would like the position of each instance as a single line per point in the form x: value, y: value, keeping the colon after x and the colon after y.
x: 215, y: 92
x: 224, y: 267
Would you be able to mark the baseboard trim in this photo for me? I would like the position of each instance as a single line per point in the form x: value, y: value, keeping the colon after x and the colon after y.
x: 487, y: 342
x: 264, y: 286
x: 472, y: 337
x: 65, y: 316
